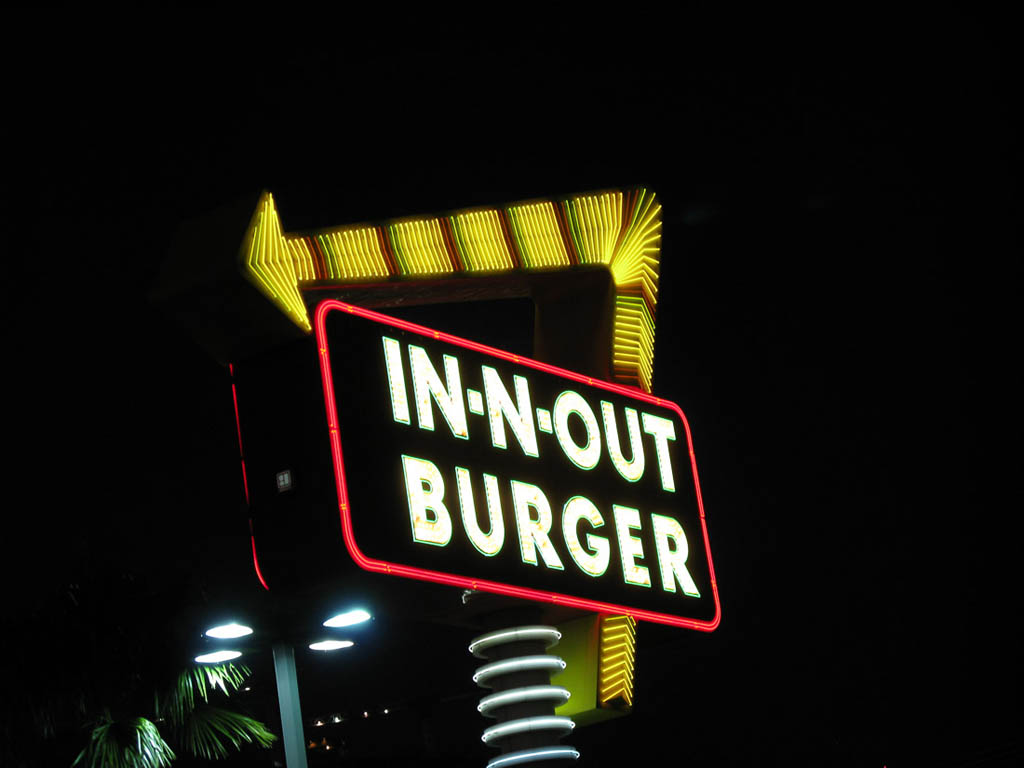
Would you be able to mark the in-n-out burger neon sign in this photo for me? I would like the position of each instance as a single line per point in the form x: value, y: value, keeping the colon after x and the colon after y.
x: 432, y: 523
x: 465, y: 465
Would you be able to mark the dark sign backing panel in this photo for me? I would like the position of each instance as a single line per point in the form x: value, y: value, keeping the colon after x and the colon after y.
x: 464, y: 465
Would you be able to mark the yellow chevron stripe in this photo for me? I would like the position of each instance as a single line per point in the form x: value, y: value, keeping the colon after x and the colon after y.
x: 616, y: 660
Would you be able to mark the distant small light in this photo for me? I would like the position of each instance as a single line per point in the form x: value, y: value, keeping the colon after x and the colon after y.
x: 385, y: 711
x: 330, y: 645
x: 337, y: 718
x: 228, y: 631
x: 317, y: 723
x: 217, y: 656
x: 347, y: 619
x: 247, y: 688
x: 366, y: 714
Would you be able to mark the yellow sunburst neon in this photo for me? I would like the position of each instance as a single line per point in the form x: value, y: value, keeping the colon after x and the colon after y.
x: 481, y: 242
x: 620, y: 229
x: 420, y: 248
x: 635, y: 264
x: 617, y: 659
x: 538, y: 236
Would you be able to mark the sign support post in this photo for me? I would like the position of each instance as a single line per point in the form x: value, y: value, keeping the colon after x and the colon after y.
x: 523, y: 700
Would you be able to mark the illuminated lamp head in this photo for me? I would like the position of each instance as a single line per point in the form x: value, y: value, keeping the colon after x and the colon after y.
x: 217, y: 657
x: 330, y: 645
x: 348, y: 618
x: 228, y: 631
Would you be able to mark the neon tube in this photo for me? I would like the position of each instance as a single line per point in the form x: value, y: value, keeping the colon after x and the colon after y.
x: 514, y: 635
x: 518, y: 664
x: 527, y: 693
x: 527, y: 724
x: 533, y: 755
x: 256, y: 562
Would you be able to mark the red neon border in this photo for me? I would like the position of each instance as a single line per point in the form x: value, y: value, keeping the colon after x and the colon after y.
x: 380, y: 566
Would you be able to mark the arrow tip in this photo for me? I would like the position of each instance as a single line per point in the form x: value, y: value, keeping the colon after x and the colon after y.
x: 268, y: 263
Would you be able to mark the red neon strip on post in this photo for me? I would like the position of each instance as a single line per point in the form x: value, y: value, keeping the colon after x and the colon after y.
x: 381, y: 566
x: 256, y: 562
x: 238, y: 426
x: 245, y: 479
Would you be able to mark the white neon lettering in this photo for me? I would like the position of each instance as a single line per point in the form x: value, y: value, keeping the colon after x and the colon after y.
x: 488, y: 544
x: 630, y: 547
x: 533, y: 533
x: 568, y: 403
x: 427, y: 384
x: 594, y: 558
x: 633, y: 469
x: 672, y: 561
x: 396, y: 380
x: 662, y: 430
x: 425, y: 489
x: 476, y: 402
x: 501, y: 408
x: 544, y: 420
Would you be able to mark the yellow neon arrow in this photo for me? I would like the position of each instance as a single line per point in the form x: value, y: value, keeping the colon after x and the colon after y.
x: 620, y: 229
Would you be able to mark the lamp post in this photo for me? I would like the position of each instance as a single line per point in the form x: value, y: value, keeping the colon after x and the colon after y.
x: 222, y: 646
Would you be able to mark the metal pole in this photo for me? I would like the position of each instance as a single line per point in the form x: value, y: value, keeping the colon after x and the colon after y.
x: 288, y: 702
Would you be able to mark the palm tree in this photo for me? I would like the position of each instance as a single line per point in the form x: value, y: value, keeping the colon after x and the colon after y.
x: 191, y: 724
x: 91, y: 650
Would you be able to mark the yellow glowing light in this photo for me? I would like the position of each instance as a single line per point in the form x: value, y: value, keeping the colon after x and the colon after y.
x: 420, y: 248
x: 619, y: 229
x: 596, y: 224
x: 481, y: 241
x: 633, y: 342
x: 635, y: 264
x: 538, y: 236
x: 270, y: 264
x: 617, y: 659
x: 352, y: 254
x: 302, y: 256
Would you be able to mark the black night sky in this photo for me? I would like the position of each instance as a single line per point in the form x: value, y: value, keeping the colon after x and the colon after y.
x: 837, y: 294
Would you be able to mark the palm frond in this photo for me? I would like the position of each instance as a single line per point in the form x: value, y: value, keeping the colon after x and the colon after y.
x: 134, y: 743
x: 208, y: 731
x: 194, y: 685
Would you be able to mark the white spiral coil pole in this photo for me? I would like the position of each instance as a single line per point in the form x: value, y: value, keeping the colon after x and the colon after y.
x: 523, y: 700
